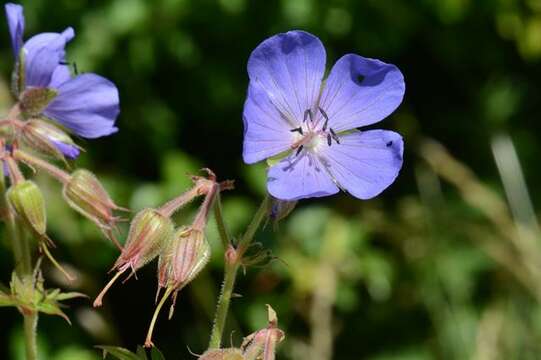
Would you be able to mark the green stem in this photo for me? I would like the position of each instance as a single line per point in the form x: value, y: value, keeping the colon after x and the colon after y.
x: 220, y: 224
x: 232, y: 265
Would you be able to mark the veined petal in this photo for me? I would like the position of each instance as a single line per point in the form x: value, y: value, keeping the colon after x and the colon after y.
x: 300, y: 176
x: 87, y: 104
x: 289, y: 68
x: 43, y: 53
x: 61, y: 74
x: 266, y: 132
x: 364, y: 163
x: 361, y: 91
x: 15, y: 17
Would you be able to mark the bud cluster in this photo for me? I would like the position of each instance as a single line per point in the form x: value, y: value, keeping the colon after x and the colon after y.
x: 183, y: 252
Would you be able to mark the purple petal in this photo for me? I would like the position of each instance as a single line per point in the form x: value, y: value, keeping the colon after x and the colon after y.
x: 289, y: 67
x: 43, y: 54
x: 15, y: 17
x: 361, y: 91
x: 266, y: 133
x: 87, y: 105
x: 69, y: 151
x: 298, y: 177
x: 60, y: 75
x: 364, y: 163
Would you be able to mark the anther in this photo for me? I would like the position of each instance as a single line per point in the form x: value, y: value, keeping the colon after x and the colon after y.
x: 334, y: 136
x: 307, y: 113
x: 326, y: 118
x: 329, y: 140
x: 299, y: 150
x: 299, y: 130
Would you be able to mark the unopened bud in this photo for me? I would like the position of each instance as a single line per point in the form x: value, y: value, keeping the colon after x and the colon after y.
x: 184, y: 258
x: 222, y: 354
x: 27, y: 200
x: 86, y: 195
x: 150, y: 232
x: 262, y: 343
x: 49, y: 139
x: 34, y: 100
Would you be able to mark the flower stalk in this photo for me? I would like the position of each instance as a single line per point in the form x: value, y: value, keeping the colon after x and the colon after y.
x: 233, y: 261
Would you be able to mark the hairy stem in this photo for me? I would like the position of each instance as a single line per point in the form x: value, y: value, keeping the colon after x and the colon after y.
x: 220, y: 224
x: 233, y: 261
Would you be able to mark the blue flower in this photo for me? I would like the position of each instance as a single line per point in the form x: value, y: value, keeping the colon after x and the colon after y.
x: 307, y: 126
x: 86, y: 104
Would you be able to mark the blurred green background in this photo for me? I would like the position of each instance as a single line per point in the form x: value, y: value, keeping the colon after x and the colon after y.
x: 446, y: 264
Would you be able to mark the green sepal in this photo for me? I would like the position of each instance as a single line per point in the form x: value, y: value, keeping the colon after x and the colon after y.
x: 28, y: 202
x: 34, y: 100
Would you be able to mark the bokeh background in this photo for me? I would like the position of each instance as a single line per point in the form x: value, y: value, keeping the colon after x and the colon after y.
x: 446, y: 264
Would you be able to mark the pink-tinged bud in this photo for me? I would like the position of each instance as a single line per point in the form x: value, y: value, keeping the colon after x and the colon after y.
x: 149, y: 233
x: 262, y: 343
x: 34, y: 100
x: 222, y: 354
x: 86, y: 195
x: 49, y: 139
x: 27, y: 200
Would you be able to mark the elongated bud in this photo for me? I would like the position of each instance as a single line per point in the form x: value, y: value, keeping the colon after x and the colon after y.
x: 222, y: 354
x: 49, y: 139
x: 262, y: 343
x: 34, y: 100
x: 150, y: 232
x: 27, y: 200
x: 85, y: 194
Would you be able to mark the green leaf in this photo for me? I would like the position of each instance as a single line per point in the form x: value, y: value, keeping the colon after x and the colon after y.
x: 121, y: 353
x: 156, y: 354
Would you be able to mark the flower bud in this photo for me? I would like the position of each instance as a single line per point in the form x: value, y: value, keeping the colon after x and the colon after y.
x: 262, y: 343
x: 34, y: 100
x: 186, y: 255
x: 49, y: 139
x: 85, y: 194
x: 27, y: 200
x: 222, y: 354
x: 150, y: 232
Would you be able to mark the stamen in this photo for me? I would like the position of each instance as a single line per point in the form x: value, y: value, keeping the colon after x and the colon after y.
x: 307, y: 113
x: 329, y: 140
x: 326, y: 118
x: 299, y: 150
x: 334, y: 136
x: 299, y: 130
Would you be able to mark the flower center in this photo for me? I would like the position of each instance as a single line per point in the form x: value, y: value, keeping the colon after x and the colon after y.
x: 311, y: 135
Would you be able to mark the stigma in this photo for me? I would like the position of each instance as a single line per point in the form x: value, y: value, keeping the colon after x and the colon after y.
x: 310, y: 135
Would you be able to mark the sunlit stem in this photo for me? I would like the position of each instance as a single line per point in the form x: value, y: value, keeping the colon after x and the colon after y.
x: 55, y: 172
x: 99, y: 298
x: 148, y: 340
x: 172, y: 206
x: 47, y: 253
x: 233, y: 261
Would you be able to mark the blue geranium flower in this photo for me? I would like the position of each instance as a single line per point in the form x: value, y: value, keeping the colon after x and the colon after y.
x: 308, y: 126
x: 86, y: 104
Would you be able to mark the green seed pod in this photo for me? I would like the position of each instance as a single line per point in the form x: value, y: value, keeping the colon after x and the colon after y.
x: 85, y: 194
x: 27, y: 201
x: 149, y: 233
